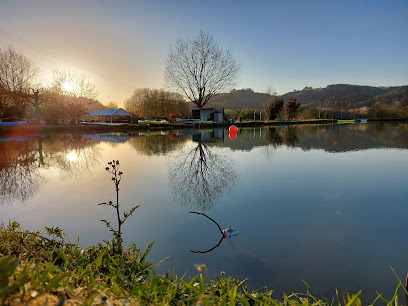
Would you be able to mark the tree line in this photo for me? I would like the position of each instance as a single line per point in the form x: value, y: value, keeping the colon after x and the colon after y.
x: 196, y: 70
x: 69, y: 95
x: 156, y: 103
x: 273, y: 108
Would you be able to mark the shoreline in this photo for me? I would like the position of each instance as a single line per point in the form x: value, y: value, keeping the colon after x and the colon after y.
x: 35, y: 130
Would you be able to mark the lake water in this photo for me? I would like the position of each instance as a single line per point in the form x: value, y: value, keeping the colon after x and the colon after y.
x: 326, y: 204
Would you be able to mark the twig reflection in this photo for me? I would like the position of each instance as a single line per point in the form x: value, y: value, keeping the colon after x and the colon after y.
x: 208, y: 251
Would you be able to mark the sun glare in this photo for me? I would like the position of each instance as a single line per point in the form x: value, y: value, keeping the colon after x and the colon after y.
x: 68, y: 86
x: 71, y: 156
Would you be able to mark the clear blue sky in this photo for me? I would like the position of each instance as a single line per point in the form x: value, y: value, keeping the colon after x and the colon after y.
x: 121, y: 45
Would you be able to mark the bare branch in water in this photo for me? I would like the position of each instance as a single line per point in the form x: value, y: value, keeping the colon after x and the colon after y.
x: 203, y: 214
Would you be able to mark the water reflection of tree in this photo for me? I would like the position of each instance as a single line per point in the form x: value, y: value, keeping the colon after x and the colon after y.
x: 199, y: 177
x: 156, y: 144
x: 20, y: 177
x: 339, y: 137
x: 85, y: 152
x: 277, y: 136
x: 273, y: 140
x: 290, y: 137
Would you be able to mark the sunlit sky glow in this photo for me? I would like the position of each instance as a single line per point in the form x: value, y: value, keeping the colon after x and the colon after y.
x: 121, y: 45
x: 68, y: 87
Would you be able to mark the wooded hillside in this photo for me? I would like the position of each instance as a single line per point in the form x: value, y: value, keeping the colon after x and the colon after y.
x: 354, y: 95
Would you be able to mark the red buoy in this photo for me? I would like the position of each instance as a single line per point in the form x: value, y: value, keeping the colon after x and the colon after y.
x: 232, y: 135
x: 233, y: 129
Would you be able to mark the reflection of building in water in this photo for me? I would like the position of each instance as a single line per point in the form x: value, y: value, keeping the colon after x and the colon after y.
x: 209, y: 136
x: 109, y: 137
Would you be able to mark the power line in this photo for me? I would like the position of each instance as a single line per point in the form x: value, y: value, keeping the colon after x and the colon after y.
x: 49, y: 53
x: 60, y: 58
x: 53, y: 63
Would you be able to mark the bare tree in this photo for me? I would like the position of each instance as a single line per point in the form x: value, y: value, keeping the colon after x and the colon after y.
x: 199, y: 68
x: 75, y: 92
x: 16, y: 77
x: 70, y: 83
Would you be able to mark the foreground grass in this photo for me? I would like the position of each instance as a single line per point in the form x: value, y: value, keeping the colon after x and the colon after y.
x: 42, y: 268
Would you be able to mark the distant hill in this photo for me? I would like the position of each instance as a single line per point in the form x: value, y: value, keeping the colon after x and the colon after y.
x: 235, y: 99
x: 354, y: 95
x: 397, y: 97
x: 339, y: 92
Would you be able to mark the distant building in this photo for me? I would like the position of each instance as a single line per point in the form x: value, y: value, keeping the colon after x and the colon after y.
x: 208, y: 114
x: 107, y: 115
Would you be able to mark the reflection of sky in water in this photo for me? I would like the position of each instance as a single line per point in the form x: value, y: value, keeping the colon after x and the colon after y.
x: 332, y: 219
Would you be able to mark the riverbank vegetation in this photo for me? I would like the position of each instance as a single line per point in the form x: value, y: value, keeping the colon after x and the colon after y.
x: 273, y: 108
x: 44, y: 268
x: 37, y: 130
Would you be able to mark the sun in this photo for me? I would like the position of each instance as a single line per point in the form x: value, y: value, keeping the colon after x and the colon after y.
x: 71, y: 156
x: 68, y: 86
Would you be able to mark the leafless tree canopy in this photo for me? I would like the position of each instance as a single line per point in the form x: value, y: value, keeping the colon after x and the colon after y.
x: 199, y: 69
x: 81, y: 86
x: 76, y: 99
x: 16, y: 71
x: 16, y: 79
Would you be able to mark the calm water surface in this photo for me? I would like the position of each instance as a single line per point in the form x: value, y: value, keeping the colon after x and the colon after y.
x: 324, y: 204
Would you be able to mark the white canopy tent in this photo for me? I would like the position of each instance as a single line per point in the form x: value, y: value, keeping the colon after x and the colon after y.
x: 115, y: 112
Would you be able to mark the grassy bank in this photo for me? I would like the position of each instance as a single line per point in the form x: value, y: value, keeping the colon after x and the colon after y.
x: 43, y: 268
